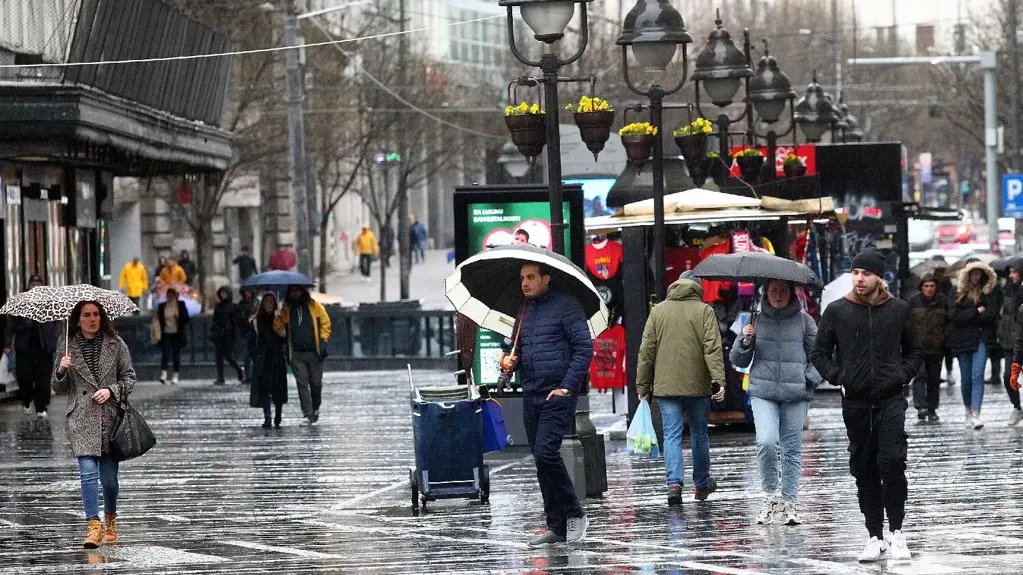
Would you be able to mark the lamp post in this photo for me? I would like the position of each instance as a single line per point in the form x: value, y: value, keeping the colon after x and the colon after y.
x: 548, y: 19
x: 769, y: 90
x: 654, y: 30
x: 814, y: 112
x: 720, y: 68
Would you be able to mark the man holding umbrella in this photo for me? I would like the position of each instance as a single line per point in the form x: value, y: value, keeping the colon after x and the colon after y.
x: 552, y: 357
x: 305, y: 323
x: 879, y: 352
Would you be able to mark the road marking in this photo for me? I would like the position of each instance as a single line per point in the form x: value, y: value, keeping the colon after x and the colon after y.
x: 283, y: 550
x: 404, y: 484
x: 173, y: 518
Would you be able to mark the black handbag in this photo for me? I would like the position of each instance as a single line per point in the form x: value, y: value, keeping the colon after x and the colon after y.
x: 131, y: 436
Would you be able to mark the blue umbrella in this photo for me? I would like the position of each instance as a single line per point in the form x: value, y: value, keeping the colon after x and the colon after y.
x: 277, y: 280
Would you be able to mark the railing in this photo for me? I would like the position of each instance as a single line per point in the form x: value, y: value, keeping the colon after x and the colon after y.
x: 385, y: 338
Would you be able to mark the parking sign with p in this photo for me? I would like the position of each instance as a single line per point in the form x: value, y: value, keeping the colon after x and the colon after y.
x: 1012, y: 196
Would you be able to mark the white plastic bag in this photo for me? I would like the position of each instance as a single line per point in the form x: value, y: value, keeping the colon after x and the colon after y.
x: 6, y: 374
x: 641, y: 437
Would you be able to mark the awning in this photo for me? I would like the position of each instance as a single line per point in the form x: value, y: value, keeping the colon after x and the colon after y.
x: 823, y: 208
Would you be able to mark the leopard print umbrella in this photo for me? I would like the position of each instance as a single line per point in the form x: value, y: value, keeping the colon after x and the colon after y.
x: 54, y: 303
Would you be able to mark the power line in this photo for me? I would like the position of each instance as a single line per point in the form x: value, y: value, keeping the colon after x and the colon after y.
x: 335, y: 43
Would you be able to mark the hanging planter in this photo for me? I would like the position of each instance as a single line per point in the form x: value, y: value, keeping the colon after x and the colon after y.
x: 699, y: 170
x: 638, y: 139
x: 527, y: 128
x: 793, y: 166
x: 594, y: 118
x: 750, y: 161
x: 691, y: 139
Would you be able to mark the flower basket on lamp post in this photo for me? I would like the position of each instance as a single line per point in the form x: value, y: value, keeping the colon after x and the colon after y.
x: 638, y: 140
x: 526, y: 125
x: 750, y: 161
x: 793, y: 166
x: 594, y: 117
x: 699, y: 170
x: 691, y: 139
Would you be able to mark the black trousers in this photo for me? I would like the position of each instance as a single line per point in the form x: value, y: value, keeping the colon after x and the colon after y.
x: 995, y: 355
x: 1013, y: 394
x: 223, y: 350
x: 927, y: 385
x: 877, y: 459
x: 547, y: 422
x: 33, y: 370
x: 365, y: 263
x: 171, y: 344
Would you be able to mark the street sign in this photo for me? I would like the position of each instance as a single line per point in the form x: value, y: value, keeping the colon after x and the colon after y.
x: 1012, y: 196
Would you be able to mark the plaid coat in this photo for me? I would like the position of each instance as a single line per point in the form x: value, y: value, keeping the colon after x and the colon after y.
x: 89, y: 423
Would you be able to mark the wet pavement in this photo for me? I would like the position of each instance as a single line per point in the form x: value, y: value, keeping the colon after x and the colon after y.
x: 221, y: 495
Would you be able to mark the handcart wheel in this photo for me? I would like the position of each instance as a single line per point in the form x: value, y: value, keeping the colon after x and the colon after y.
x: 414, y: 484
x: 485, y: 485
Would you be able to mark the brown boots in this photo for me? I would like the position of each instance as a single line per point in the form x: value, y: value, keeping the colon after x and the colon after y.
x: 95, y: 538
x: 100, y: 533
x: 109, y: 529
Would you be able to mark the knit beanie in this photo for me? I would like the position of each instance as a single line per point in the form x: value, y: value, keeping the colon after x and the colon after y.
x: 871, y: 260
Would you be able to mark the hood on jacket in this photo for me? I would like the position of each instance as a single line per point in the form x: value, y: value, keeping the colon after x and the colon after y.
x: 685, y: 288
x: 303, y: 299
x: 987, y: 281
x: 227, y: 290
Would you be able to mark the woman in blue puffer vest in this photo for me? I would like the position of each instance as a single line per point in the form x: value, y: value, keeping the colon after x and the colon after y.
x: 781, y: 385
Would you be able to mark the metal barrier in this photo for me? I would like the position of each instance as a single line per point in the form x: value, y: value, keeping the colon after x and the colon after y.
x: 373, y: 337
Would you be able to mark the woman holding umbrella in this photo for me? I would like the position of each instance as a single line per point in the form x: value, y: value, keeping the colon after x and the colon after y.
x: 97, y: 373
x: 781, y: 384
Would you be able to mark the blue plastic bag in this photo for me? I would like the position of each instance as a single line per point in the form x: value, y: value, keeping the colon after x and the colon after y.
x: 10, y: 362
x: 495, y: 434
x: 641, y: 437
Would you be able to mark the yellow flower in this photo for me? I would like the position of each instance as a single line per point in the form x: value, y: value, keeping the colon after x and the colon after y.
x: 523, y: 108
x: 534, y: 109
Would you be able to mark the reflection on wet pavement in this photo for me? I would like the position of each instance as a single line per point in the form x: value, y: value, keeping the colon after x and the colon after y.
x: 219, y: 494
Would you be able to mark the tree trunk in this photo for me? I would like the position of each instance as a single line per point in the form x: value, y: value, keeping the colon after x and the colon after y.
x: 404, y: 249
x: 383, y: 277
x: 323, y: 257
x: 203, y: 252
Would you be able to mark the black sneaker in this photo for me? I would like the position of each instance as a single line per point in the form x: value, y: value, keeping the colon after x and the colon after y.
x: 674, y: 494
x: 266, y: 423
x: 548, y: 538
x: 932, y: 416
x: 921, y: 414
x: 218, y: 382
x: 703, y: 493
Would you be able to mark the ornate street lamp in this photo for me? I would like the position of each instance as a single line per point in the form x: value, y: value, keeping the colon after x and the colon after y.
x: 769, y: 90
x: 814, y: 112
x: 853, y: 133
x: 654, y: 30
x: 721, y: 66
x: 547, y: 19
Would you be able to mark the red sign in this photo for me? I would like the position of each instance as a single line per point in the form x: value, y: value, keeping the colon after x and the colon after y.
x: 806, y: 152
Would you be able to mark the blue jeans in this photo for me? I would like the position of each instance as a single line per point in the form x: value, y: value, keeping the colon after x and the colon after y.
x: 95, y: 471
x: 971, y: 372
x: 674, y: 412
x: 779, y: 427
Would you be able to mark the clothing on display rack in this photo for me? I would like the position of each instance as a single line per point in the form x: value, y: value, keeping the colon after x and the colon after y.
x: 603, y: 266
x: 607, y: 370
x: 714, y: 291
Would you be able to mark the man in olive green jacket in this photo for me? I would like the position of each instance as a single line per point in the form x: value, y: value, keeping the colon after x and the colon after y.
x: 681, y: 363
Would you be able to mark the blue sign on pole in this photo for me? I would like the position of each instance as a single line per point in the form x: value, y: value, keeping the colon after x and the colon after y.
x: 1012, y: 196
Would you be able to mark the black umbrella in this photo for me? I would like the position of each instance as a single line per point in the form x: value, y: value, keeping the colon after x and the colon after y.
x: 755, y: 267
x: 1002, y: 265
x: 486, y: 287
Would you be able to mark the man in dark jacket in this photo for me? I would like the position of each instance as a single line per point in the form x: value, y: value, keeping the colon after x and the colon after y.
x: 246, y: 264
x: 227, y: 318
x: 1008, y: 337
x: 33, y: 344
x: 930, y: 312
x: 186, y: 263
x: 553, y: 357
x: 878, y: 354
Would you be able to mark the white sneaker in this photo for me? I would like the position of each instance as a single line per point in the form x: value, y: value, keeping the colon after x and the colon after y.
x: 27, y: 410
x: 969, y: 420
x: 788, y: 514
x: 577, y: 528
x: 897, y: 544
x: 977, y: 423
x: 1016, y: 417
x: 874, y: 550
x: 41, y: 415
x: 163, y: 377
x: 766, y: 514
x: 174, y: 380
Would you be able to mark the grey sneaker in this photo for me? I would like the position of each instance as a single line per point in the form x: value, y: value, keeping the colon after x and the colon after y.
x: 766, y: 514
x: 577, y: 528
x: 1015, y: 418
x: 674, y: 494
x: 788, y: 514
x: 548, y: 538
x: 703, y: 492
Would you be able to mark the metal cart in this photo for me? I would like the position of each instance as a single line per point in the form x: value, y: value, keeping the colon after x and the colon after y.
x: 448, y: 432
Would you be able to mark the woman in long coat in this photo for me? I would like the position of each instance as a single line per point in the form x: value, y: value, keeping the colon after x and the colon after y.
x: 96, y: 372
x: 270, y: 373
x: 974, y: 317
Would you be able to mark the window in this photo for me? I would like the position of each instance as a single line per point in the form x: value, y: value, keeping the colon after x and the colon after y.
x: 477, y: 41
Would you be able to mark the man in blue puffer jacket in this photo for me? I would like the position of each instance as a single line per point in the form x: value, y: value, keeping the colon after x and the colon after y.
x: 553, y: 356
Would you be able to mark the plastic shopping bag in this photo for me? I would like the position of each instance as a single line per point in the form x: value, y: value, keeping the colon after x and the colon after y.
x: 6, y: 369
x: 495, y: 434
x: 641, y: 438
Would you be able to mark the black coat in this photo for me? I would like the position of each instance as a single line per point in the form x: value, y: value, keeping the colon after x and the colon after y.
x: 269, y: 366
x: 969, y: 326
x: 931, y: 317
x: 183, y: 320
x: 878, y: 349
x: 228, y: 318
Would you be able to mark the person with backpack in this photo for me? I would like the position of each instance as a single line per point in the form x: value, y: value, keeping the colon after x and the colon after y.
x: 782, y: 380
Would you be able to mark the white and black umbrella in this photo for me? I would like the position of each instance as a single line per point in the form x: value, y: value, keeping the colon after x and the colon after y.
x: 486, y: 287
x: 755, y: 267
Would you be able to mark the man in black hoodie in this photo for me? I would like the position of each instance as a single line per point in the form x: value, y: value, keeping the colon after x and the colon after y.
x: 930, y: 311
x: 878, y: 353
x: 227, y: 318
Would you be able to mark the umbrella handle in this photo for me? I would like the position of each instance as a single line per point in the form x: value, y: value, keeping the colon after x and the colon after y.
x: 66, y: 329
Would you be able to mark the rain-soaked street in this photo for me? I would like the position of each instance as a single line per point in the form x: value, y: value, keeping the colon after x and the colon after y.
x: 221, y: 495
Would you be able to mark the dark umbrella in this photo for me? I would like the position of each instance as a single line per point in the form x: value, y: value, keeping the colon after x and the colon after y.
x: 1002, y: 265
x: 755, y: 267
x: 277, y: 280
x: 486, y: 287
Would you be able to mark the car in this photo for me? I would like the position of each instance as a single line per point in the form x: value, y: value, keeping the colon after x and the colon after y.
x: 921, y: 235
x: 957, y: 233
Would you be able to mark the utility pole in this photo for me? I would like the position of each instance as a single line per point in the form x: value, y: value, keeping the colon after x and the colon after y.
x: 404, y: 255
x: 836, y: 52
x: 296, y: 133
x: 1014, y: 156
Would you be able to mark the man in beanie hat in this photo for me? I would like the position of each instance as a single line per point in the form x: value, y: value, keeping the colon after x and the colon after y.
x: 930, y: 312
x: 879, y: 353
